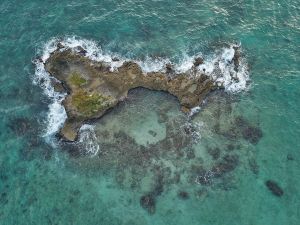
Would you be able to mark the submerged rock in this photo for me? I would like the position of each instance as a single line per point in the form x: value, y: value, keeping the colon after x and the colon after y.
x: 169, y: 68
x: 249, y: 132
x: 183, y: 195
x: 20, y: 126
x: 93, y: 88
x: 190, y: 154
x: 214, y: 153
x: 153, y: 133
x: 274, y: 188
x: 290, y: 157
x: 252, y: 134
x: 3, y: 198
x: 230, y: 147
x: 148, y: 203
x: 253, y: 166
x: 227, y: 164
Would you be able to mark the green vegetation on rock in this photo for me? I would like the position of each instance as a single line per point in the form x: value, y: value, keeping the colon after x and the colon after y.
x: 89, y: 104
x: 76, y: 79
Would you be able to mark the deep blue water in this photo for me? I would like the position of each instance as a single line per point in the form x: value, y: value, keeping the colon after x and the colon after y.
x: 42, y: 182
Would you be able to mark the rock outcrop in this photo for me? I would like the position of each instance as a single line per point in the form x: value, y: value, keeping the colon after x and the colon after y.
x: 93, y: 88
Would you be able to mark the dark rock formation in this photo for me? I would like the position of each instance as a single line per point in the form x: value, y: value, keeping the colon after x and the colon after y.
x: 249, y: 132
x: 148, y: 203
x: 81, y: 50
x: 3, y: 198
x: 183, y: 195
x: 274, y: 188
x: 152, y: 133
x: 169, y: 68
x: 198, y: 61
x: 214, y: 153
x: 252, y: 134
x: 58, y: 87
x: 60, y: 45
x: 290, y: 157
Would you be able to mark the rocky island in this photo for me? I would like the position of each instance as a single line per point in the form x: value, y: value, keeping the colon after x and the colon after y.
x: 93, y: 87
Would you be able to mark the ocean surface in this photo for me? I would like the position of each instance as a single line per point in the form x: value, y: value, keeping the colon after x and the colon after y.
x: 146, y: 162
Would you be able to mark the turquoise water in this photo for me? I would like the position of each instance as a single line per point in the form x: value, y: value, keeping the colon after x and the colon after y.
x: 143, y: 142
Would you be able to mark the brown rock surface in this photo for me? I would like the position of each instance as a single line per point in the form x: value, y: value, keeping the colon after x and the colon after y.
x: 93, y: 89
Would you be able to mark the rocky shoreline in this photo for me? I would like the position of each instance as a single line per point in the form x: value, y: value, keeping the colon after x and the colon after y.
x: 93, y: 87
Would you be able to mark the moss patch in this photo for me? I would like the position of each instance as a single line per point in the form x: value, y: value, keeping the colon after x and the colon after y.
x: 76, y: 79
x: 90, y: 104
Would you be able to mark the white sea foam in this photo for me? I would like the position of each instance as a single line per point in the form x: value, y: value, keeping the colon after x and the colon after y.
x: 87, y: 137
x: 194, y: 110
x: 153, y: 65
x: 185, y: 64
x: 56, y: 115
x: 93, y: 51
x: 218, y: 66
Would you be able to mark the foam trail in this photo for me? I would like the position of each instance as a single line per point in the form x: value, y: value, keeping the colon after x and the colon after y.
x: 56, y: 115
x: 88, y: 138
x: 153, y: 65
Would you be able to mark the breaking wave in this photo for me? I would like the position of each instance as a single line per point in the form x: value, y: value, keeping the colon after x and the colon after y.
x: 56, y: 115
